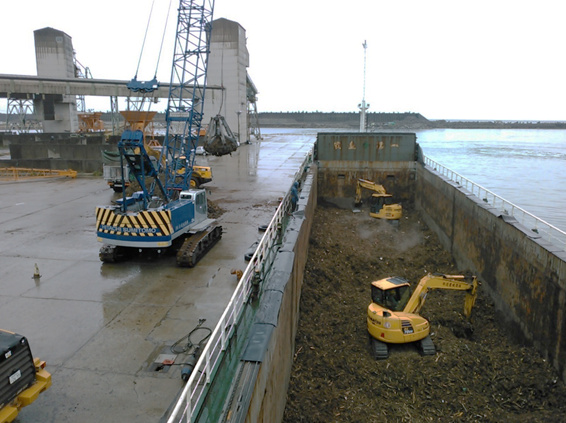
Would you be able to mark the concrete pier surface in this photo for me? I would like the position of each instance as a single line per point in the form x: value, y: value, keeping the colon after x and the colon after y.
x: 100, y: 327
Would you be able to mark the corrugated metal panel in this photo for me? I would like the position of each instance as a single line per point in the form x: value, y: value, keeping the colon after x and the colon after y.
x: 366, y: 146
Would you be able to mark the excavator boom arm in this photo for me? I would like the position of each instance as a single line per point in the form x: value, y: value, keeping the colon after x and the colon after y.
x: 438, y: 281
x: 372, y: 186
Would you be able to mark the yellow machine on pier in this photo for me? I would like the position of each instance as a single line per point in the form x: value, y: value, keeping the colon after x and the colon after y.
x: 22, y: 377
x: 22, y: 173
x: 393, y: 315
x: 380, y: 204
x: 143, y: 121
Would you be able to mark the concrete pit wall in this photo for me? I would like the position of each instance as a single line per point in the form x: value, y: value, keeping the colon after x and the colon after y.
x: 279, y: 310
x: 340, y: 185
x: 58, y: 151
x: 524, y: 274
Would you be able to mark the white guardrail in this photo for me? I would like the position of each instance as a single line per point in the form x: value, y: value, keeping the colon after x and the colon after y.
x: 205, y: 369
x: 546, y: 230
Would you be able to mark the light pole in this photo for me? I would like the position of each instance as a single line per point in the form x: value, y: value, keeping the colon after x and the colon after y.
x: 363, y: 105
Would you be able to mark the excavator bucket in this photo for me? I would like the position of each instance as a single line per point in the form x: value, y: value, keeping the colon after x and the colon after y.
x: 219, y: 140
x: 470, y: 299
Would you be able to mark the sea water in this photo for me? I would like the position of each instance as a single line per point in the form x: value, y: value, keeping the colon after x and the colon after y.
x: 526, y: 167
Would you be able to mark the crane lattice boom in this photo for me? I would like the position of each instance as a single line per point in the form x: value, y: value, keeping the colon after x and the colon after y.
x: 188, y: 81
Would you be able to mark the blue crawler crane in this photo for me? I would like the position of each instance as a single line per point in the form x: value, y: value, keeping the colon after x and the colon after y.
x: 166, y: 214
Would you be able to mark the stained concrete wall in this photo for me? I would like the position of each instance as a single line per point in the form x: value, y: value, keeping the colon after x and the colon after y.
x: 397, y: 180
x: 285, y: 283
x: 58, y: 151
x: 524, y: 275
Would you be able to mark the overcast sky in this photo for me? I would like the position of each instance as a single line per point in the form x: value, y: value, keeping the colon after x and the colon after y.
x: 444, y: 59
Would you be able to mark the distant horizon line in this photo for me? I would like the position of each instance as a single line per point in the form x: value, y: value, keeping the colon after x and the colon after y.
x: 3, y: 113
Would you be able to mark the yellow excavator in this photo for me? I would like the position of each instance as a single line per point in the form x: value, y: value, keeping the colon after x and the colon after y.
x: 393, y: 315
x: 143, y: 121
x: 381, y: 204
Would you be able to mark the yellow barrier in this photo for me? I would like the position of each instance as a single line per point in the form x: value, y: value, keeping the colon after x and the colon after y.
x: 16, y: 174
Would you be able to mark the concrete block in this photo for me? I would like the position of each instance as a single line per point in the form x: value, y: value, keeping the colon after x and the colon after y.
x: 548, y: 245
x: 260, y: 335
x: 280, y: 271
x: 269, y: 307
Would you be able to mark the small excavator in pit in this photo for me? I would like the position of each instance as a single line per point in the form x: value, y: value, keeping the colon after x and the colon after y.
x: 393, y: 315
x: 380, y: 204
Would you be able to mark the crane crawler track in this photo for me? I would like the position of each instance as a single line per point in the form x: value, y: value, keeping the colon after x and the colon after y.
x: 196, y: 246
x: 114, y: 253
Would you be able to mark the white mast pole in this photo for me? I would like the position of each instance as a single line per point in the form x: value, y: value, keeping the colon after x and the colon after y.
x: 363, y: 106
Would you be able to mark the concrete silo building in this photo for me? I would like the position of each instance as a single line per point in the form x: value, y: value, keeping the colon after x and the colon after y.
x: 54, y: 58
x: 227, y: 66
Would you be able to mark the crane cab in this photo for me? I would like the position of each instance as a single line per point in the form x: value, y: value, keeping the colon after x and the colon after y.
x: 198, y: 198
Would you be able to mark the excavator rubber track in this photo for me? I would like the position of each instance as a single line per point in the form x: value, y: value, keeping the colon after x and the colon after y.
x: 427, y: 346
x: 379, y: 349
x: 196, y: 246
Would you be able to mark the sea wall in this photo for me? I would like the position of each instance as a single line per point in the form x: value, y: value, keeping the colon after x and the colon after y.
x: 524, y: 274
x: 381, y: 121
x: 336, y: 120
x: 80, y: 152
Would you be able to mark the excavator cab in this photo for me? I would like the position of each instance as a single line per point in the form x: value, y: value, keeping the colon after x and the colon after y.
x: 381, y: 206
x: 394, y: 299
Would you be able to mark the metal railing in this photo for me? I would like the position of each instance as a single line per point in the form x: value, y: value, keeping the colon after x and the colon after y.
x: 194, y: 392
x: 544, y: 229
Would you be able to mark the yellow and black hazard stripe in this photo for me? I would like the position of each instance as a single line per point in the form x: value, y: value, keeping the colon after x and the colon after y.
x: 143, y: 223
